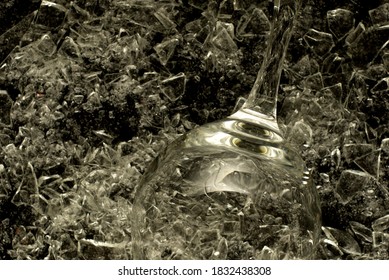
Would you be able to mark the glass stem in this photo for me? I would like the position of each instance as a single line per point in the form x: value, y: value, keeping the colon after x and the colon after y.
x: 263, y: 96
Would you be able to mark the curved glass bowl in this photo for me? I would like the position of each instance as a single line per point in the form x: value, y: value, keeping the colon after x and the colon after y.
x: 231, y: 189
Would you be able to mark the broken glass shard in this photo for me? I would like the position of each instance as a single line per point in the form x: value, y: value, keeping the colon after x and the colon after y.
x: 380, y: 239
x: 381, y: 224
x: 46, y: 45
x: 226, y: 9
x: 300, y: 134
x: 367, y: 45
x: 343, y: 239
x: 332, y: 64
x: 354, y: 34
x: 306, y: 66
x: 50, y: 14
x: 163, y: 17
x: 224, y: 38
x: 384, y: 160
x: 340, y: 22
x: 319, y: 42
x: 166, y: 49
x: 253, y: 24
x: 354, y: 151
x: 380, y: 15
x: 351, y: 182
x: 361, y: 232
x: 385, y: 60
x: 5, y: 107
x: 69, y: 48
x: 174, y: 87
x: 382, y: 86
x: 369, y: 163
x: 313, y: 82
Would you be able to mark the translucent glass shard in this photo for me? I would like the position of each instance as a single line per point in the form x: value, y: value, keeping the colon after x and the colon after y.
x: 306, y: 66
x: 340, y: 22
x: 381, y: 224
x: 369, y: 163
x: 166, y: 49
x: 332, y: 64
x: 355, y: 33
x: 69, y: 48
x: 46, y: 45
x: 50, y: 14
x: 319, y: 42
x: 380, y: 15
x: 313, y: 82
x: 385, y: 60
x: 174, y: 87
x: 361, y: 232
x: 382, y: 86
x: 367, y: 45
x: 5, y: 107
x: 253, y: 24
x: 350, y: 182
x: 300, y: 134
x: 343, y: 239
x: 380, y: 239
x: 226, y: 8
x: 384, y: 160
x: 163, y: 17
x: 354, y: 151
x: 224, y: 38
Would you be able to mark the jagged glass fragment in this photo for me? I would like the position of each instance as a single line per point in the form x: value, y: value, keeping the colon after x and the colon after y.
x: 329, y: 99
x: 369, y: 163
x: 306, y: 66
x: 382, y: 86
x: 361, y: 232
x: 381, y: 224
x: 354, y: 151
x: 50, y: 14
x: 163, y: 17
x: 343, y: 239
x: 46, y: 45
x: 5, y: 107
x: 385, y: 60
x: 174, y: 87
x: 253, y: 24
x: 332, y: 64
x: 224, y: 38
x: 380, y: 239
x: 239, y: 103
x: 380, y: 15
x: 314, y: 82
x: 69, y: 48
x: 199, y: 4
x: 367, y: 45
x: 300, y: 134
x: 371, y: 133
x: 330, y: 250
x: 384, y: 160
x: 350, y: 182
x: 340, y: 22
x: 226, y: 9
x: 333, y: 92
x: 166, y: 49
x: 319, y: 42
x: 354, y: 34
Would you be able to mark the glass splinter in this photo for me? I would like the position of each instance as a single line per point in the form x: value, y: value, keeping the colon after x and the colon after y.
x: 232, y: 189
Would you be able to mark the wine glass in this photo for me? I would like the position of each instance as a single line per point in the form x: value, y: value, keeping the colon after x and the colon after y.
x: 234, y: 188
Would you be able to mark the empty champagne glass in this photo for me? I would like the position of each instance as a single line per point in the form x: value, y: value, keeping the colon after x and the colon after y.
x: 232, y: 189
